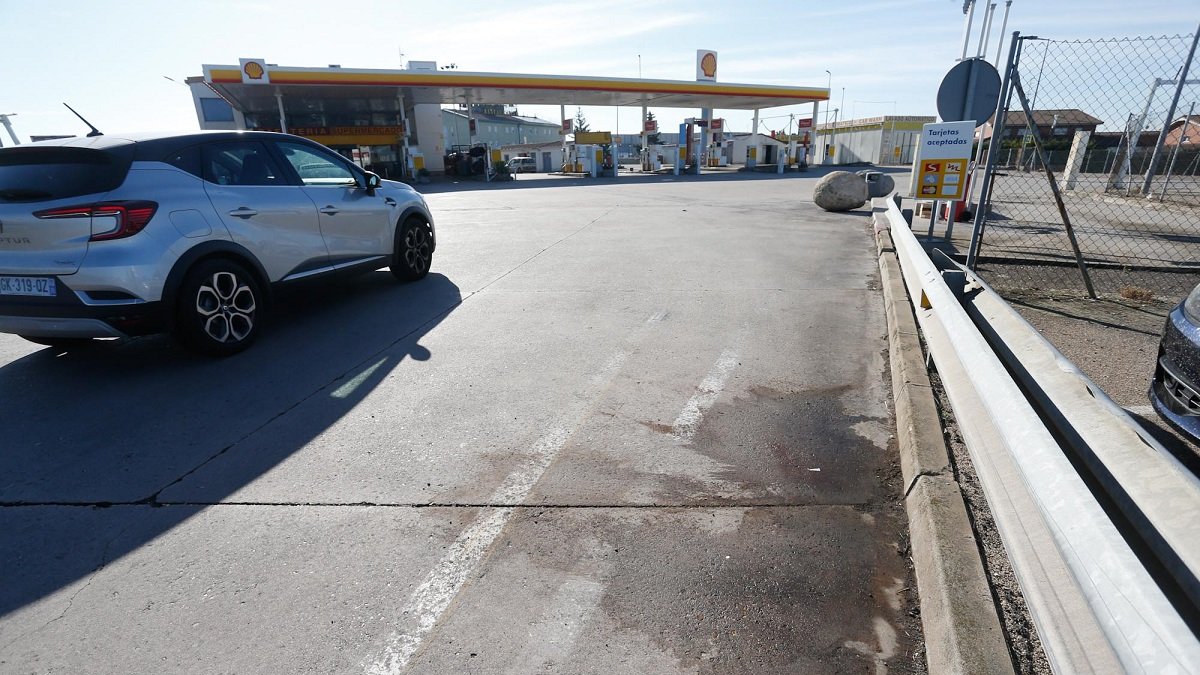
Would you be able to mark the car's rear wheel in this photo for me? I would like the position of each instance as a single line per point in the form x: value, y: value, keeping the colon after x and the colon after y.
x: 60, y: 342
x: 414, y: 250
x: 218, y: 309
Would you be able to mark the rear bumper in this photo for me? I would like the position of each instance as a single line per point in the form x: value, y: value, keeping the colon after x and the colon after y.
x: 54, y: 328
x: 1175, y: 389
x: 67, y: 316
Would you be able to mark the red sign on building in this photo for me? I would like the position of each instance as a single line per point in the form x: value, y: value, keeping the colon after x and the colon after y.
x: 650, y: 126
x: 566, y: 126
x: 717, y: 125
x: 804, y: 123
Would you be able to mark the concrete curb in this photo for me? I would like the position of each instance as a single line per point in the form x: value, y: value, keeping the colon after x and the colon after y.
x: 958, y: 614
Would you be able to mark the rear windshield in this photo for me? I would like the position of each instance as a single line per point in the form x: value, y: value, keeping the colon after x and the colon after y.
x: 32, y: 174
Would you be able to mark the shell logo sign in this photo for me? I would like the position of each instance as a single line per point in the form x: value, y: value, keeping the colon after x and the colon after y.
x: 254, y: 71
x: 706, y: 65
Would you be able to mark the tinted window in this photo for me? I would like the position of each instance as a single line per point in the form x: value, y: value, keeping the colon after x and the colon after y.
x: 240, y: 163
x: 41, y: 174
x: 317, y: 167
x: 187, y: 159
x: 216, y: 110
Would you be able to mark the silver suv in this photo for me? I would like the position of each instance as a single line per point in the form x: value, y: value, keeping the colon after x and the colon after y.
x: 191, y: 234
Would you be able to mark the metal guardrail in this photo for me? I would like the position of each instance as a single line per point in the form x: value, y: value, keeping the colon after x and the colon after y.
x: 1097, y: 606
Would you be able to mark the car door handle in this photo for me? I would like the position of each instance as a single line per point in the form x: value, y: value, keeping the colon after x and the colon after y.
x: 329, y: 210
x: 243, y: 212
x: 389, y: 201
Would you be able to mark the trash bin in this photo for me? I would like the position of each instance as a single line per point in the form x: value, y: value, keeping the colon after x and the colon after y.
x: 876, y: 185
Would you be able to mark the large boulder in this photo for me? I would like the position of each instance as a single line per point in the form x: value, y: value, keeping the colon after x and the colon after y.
x: 840, y: 191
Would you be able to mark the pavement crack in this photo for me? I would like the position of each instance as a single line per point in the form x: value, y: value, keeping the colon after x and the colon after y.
x: 104, y: 560
x: 539, y: 253
x: 152, y: 499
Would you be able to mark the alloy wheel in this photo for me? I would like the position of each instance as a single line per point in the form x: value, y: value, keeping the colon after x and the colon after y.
x: 416, y: 249
x: 226, y: 306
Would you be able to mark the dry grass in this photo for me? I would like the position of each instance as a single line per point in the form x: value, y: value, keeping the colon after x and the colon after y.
x: 1137, y: 293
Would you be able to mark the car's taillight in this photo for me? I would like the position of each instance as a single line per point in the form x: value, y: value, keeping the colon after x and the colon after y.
x: 109, y: 220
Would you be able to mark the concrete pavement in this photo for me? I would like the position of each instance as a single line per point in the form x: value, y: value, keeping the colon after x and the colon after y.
x: 631, y: 427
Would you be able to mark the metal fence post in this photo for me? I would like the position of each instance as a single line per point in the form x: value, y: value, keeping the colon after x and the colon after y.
x: 1162, y: 134
x: 985, y: 194
x: 1058, y: 198
x: 1187, y: 121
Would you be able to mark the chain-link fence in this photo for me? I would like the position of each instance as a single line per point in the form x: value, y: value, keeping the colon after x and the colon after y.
x: 1126, y: 165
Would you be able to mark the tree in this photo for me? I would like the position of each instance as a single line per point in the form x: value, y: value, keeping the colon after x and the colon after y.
x: 652, y: 139
x: 581, y: 123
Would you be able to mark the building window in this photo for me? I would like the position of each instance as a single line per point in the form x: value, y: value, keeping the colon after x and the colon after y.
x: 216, y: 110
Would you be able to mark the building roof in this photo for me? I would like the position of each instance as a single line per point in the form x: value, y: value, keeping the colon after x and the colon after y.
x: 739, y: 135
x: 386, y: 88
x: 509, y: 119
x: 1043, y: 118
x: 544, y: 144
x: 896, y: 121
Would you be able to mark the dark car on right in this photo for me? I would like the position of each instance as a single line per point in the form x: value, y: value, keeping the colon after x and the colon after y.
x: 1175, y: 389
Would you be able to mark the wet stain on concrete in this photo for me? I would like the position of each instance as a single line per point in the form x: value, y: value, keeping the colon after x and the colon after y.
x: 793, y: 590
x: 789, y: 447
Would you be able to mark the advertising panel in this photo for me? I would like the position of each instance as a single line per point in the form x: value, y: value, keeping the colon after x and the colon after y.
x: 943, y: 153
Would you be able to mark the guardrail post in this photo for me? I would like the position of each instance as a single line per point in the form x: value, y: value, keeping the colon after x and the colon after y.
x: 957, y: 281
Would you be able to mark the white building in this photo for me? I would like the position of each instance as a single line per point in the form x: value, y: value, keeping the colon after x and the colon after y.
x: 495, y: 129
x: 878, y: 140
x: 769, y: 147
x: 212, y: 111
x: 548, y: 155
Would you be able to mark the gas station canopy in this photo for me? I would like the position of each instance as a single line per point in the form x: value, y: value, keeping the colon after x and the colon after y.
x: 450, y: 87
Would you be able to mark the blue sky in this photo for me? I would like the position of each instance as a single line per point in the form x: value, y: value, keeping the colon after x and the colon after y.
x: 111, y: 60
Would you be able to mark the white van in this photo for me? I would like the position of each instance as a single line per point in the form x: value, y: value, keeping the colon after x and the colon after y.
x: 522, y: 164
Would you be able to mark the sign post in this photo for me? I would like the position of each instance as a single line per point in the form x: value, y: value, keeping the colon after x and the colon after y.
x: 970, y: 91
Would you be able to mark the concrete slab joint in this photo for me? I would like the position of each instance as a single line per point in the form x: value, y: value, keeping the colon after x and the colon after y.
x: 958, y: 614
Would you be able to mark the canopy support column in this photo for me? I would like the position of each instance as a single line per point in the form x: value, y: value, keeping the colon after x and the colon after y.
x: 282, y: 118
x: 752, y: 146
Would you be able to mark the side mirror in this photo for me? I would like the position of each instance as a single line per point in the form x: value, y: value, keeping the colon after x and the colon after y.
x: 373, y: 182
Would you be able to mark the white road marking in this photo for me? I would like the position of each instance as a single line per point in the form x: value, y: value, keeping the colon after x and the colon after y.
x: 445, y: 580
x: 438, y: 589
x: 685, y: 426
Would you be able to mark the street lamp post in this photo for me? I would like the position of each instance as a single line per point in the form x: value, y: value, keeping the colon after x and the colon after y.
x: 841, y: 106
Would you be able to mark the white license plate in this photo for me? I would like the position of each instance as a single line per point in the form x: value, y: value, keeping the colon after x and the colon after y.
x: 43, y: 286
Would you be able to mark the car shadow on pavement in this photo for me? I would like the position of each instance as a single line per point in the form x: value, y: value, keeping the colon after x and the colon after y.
x: 111, y: 426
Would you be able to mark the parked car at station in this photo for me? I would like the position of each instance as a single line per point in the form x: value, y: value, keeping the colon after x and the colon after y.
x: 522, y: 164
x: 114, y: 236
x: 1175, y: 389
